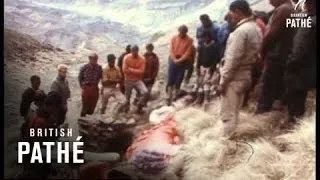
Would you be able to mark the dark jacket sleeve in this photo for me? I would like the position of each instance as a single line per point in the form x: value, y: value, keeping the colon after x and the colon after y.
x: 199, y: 34
x: 68, y: 90
x: 100, y: 73
x: 301, y: 65
x: 276, y: 28
x: 120, y: 61
x: 156, y: 67
x: 55, y: 87
x: 223, y: 34
x: 215, y: 32
x: 27, y: 98
x: 303, y: 43
x: 80, y: 76
x: 200, y: 54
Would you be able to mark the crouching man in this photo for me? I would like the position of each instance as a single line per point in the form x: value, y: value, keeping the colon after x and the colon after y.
x: 133, y: 69
x: 243, y: 45
x: 111, y: 83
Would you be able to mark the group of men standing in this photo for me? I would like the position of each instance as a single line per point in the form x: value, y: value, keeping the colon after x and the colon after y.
x: 133, y: 72
x: 41, y: 110
x: 242, y: 50
x: 248, y: 49
x: 288, y: 56
x: 45, y: 110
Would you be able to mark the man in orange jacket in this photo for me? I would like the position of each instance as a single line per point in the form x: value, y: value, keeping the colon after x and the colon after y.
x: 133, y: 69
x: 179, y: 53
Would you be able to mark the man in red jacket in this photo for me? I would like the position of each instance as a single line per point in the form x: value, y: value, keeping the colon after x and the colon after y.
x: 152, y: 67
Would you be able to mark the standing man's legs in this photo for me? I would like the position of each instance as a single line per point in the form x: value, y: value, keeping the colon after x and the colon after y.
x: 190, y: 70
x: 171, y: 80
x: 255, y: 76
x: 296, y: 100
x: 90, y: 96
x: 85, y: 101
x: 94, y: 98
x: 122, y: 86
x: 231, y: 103
x: 149, y: 88
x: 143, y: 91
x: 129, y: 85
x: 272, y: 87
x: 107, y: 93
x: 180, y: 70
x: 172, y: 69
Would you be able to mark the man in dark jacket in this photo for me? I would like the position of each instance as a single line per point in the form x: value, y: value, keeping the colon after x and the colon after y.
x: 28, y: 95
x: 223, y: 34
x: 120, y: 62
x: 206, y: 25
x: 207, y: 60
x: 276, y: 46
x: 61, y: 85
x: 152, y: 67
x: 300, y: 74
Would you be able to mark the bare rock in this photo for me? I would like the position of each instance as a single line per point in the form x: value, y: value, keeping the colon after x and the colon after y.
x: 59, y: 49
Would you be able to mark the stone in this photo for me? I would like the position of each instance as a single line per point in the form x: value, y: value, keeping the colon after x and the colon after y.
x: 59, y: 49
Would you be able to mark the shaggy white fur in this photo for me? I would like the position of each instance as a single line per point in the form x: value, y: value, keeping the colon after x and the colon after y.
x: 207, y: 155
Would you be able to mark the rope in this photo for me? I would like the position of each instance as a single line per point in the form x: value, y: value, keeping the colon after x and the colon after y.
x: 244, y: 142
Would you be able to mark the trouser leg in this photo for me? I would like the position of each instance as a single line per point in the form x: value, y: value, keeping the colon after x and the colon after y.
x: 143, y: 91
x: 149, y: 88
x: 231, y: 102
x: 272, y: 87
x: 169, y: 95
x: 85, y: 101
x: 171, y: 81
x: 122, y: 86
x: 171, y: 73
x: 180, y: 70
x: 255, y: 75
x: 128, y: 86
x: 104, y: 100
x: 206, y: 89
x: 296, y: 100
x: 94, y: 97
x: 189, y: 72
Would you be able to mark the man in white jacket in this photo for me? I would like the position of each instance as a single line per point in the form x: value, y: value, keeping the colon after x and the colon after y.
x: 242, y: 48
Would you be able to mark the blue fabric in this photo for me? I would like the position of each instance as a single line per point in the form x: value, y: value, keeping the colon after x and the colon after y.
x: 214, y: 32
x: 176, y: 73
x: 223, y: 35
